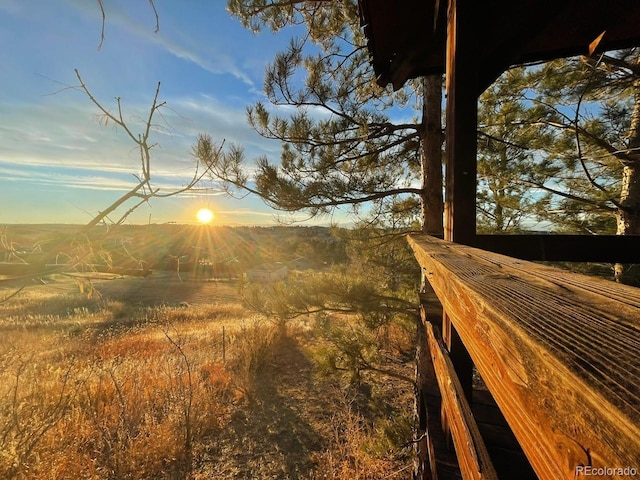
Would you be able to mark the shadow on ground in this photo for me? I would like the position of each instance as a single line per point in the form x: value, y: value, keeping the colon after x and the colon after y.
x: 274, y: 436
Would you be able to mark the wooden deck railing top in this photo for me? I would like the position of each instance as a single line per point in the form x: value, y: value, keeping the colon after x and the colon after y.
x: 560, y: 352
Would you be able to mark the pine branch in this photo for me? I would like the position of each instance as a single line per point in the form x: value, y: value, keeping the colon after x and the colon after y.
x: 576, y: 122
x: 257, y: 10
x: 619, y: 63
x: 602, y: 204
x: 622, y: 155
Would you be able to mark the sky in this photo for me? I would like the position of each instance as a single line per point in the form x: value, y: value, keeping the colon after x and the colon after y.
x: 60, y: 164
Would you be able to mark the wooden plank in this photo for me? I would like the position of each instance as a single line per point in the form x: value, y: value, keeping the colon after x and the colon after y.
x: 559, y: 357
x: 567, y: 248
x: 427, y: 403
x: 431, y: 308
x: 439, y: 462
x: 508, y: 32
x: 473, y: 457
x: 459, y: 355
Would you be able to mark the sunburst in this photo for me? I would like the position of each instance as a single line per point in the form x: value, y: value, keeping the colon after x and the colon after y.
x: 204, y: 216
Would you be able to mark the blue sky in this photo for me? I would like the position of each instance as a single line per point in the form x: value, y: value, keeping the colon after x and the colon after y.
x: 59, y: 164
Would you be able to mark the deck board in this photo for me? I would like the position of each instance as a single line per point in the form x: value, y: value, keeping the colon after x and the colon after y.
x: 558, y: 351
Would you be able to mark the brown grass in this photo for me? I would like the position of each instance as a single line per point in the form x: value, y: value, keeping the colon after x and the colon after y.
x: 108, y: 388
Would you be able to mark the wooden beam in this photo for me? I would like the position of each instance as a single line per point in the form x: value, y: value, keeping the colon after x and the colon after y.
x: 558, y: 351
x: 459, y: 356
x: 503, y: 46
x: 427, y: 402
x: 473, y: 457
x: 462, y: 119
x: 403, y: 43
x: 435, y: 459
x: 567, y: 248
x: 460, y: 158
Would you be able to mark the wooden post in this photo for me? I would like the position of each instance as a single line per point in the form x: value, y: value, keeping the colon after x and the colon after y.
x: 462, y: 120
x: 460, y: 160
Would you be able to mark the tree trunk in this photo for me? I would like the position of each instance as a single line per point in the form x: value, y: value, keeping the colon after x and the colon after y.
x: 431, y: 156
x: 628, y: 216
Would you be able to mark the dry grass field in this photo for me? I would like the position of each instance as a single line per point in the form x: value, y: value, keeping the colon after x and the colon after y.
x: 137, y: 381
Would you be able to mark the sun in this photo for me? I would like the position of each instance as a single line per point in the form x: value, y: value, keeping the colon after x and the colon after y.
x: 204, y: 215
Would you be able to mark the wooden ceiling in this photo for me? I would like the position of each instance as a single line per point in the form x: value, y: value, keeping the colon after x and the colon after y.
x: 407, y: 38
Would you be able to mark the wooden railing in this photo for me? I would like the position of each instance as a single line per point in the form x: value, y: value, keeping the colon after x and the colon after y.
x: 559, y: 352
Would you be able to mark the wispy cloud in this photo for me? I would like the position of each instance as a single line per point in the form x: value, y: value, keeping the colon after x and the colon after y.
x: 60, y: 135
x: 179, y: 44
x: 55, y: 149
x: 217, y: 63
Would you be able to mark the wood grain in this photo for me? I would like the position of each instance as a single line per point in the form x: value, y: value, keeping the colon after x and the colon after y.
x: 559, y: 352
x: 473, y: 457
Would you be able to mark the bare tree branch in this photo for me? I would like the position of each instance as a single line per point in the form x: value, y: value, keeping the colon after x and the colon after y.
x: 143, y: 192
x: 576, y: 122
x: 104, y: 20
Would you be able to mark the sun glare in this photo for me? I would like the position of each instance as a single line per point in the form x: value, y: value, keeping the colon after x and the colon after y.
x: 204, y: 215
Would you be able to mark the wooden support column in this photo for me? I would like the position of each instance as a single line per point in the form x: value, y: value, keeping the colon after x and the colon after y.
x: 460, y: 162
x: 462, y: 121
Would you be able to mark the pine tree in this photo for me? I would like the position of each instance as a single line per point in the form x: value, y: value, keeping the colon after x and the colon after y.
x: 570, y: 150
x: 592, y: 106
x: 509, y: 149
x: 340, y: 145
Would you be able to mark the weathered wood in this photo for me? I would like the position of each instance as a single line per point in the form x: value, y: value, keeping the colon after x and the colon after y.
x: 473, y: 457
x: 427, y: 405
x: 438, y: 461
x: 558, y: 351
x: 460, y: 159
x: 459, y: 355
x: 407, y: 38
x: 424, y: 459
x: 462, y: 119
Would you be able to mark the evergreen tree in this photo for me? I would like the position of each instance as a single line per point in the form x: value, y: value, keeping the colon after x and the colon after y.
x: 593, y: 107
x: 356, y: 305
x: 340, y: 146
x: 569, y: 149
x: 510, y: 148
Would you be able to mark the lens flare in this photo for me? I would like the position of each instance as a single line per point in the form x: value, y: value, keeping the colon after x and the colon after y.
x: 204, y: 215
